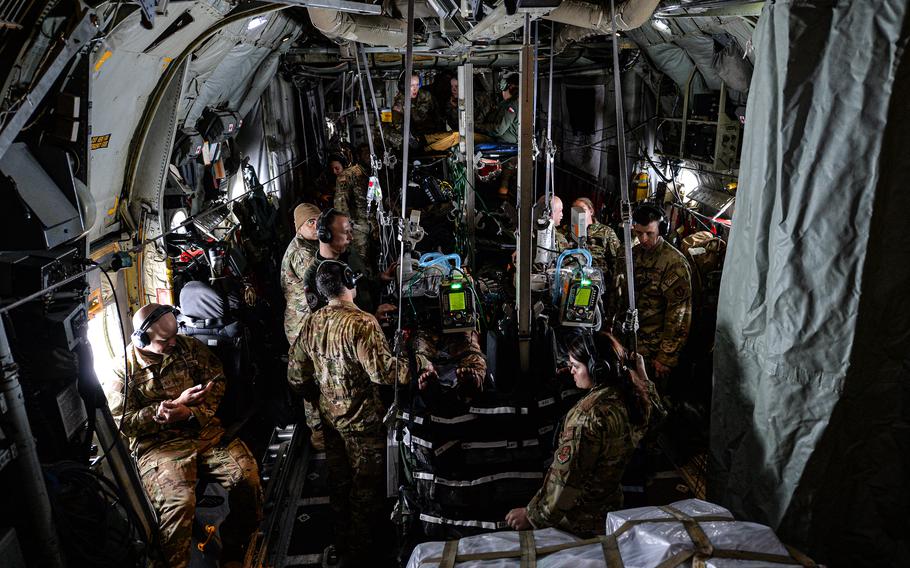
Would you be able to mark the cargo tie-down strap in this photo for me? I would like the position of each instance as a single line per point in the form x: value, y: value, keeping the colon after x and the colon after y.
x: 528, y: 553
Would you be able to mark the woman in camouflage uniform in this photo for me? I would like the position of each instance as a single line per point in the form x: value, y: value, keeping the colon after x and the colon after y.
x: 595, y: 442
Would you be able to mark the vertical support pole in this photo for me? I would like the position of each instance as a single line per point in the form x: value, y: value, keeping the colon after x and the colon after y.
x: 466, y: 130
x: 525, y: 196
x: 44, y: 547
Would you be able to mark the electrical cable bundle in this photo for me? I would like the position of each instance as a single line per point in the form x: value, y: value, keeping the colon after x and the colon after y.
x: 95, y: 527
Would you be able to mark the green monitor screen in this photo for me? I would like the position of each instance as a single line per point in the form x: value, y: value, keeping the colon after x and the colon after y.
x: 456, y: 302
x: 583, y: 297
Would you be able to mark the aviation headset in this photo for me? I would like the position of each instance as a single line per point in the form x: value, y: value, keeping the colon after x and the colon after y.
x: 506, y: 80
x: 349, y: 277
x: 340, y: 158
x: 141, y: 336
x: 323, y: 225
x: 598, y: 368
x: 663, y: 226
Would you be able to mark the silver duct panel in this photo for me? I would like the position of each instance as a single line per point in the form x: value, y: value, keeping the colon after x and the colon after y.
x: 596, y: 17
x: 583, y: 18
x: 371, y: 30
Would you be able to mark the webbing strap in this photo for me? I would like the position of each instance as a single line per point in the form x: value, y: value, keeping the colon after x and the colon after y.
x: 703, y: 518
x: 374, y: 163
x: 610, y: 549
x: 528, y: 550
x: 703, y: 546
x: 630, y: 326
x: 800, y: 557
x: 676, y: 559
x: 449, y: 554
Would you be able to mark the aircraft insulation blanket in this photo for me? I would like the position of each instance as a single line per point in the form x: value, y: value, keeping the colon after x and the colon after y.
x: 635, y: 538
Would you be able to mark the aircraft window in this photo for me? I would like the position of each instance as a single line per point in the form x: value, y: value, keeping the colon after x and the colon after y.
x: 688, y: 180
x: 107, y: 351
x: 178, y: 217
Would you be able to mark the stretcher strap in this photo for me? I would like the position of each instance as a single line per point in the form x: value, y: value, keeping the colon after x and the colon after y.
x: 528, y: 550
x: 449, y: 554
x: 610, y: 549
x: 703, y: 546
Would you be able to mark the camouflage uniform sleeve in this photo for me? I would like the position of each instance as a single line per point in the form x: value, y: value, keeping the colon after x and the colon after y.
x: 677, y: 289
x: 374, y: 354
x: 311, y: 296
x: 580, y: 450
x: 301, y: 371
x: 135, y: 420
x: 562, y: 243
x: 470, y: 355
x: 208, y: 369
x: 424, y: 344
x: 506, y: 118
x: 343, y: 189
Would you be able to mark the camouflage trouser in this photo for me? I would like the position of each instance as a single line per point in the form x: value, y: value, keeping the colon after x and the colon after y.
x: 169, y: 474
x: 356, y: 474
x: 361, y: 244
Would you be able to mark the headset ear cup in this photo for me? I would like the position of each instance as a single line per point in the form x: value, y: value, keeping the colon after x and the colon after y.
x: 323, y: 232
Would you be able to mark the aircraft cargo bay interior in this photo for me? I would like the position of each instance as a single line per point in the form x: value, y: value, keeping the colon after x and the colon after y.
x: 454, y: 283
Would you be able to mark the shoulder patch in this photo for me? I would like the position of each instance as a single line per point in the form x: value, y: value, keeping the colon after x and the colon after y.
x: 564, y: 454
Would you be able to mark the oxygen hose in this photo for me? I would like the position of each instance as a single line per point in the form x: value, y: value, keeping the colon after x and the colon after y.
x: 557, y: 284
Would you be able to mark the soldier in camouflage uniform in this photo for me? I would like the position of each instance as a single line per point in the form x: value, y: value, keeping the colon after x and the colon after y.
x: 174, y: 388
x: 351, y: 183
x: 425, y: 114
x: 338, y: 359
x: 340, y: 235
x: 503, y: 123
x: 459, y: 349
x: 663, y: 289
x: 297, y: 258
x: 606, y: 251
x: 595, y: 443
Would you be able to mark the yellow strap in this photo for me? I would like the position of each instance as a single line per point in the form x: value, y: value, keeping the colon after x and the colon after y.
x: 610, y: 549
x: 449, y: 553
x: 528, y: 550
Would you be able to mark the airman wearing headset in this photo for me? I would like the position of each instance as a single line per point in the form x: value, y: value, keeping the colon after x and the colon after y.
x: 338, y: 359
x: 503, y: 125
x: 166, y: 408
x: 663, y: 289
x: 595, y: 442
x: 335, y: 235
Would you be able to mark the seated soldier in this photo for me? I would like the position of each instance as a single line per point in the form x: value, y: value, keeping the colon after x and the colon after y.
x: 168, y: 412
x: 457, y: 357
x: 596, y: 441
x: 502, y: 125
x: 425, y: 115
